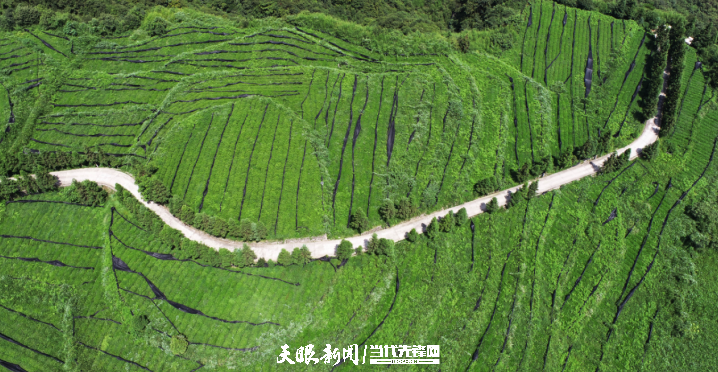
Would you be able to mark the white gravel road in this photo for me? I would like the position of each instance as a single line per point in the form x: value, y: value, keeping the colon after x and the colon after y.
x: 321, y: 246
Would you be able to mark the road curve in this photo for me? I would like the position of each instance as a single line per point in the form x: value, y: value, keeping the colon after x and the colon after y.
x: 321, y: 246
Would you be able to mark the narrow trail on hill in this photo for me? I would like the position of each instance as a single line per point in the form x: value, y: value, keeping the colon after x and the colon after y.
x: 321, y: 246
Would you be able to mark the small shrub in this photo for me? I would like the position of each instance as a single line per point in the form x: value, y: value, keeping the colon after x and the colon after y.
x: 139, y: 323
x: 464, y: 43
x: 263, y: 263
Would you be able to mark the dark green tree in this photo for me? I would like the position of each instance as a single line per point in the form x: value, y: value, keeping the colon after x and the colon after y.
x: 385, y: 247
x: 567, y: 159
x: 247, y: 256
x: 461, y: 217
x: 285, y: 258
x: 405, y: 209
x: 587, y: 150
x: 260, y: 231
x: 359, y: 221
x: 226, y: 258
x: 387, y: 211
x: 433, y: 229
x: 532, y: 189
x: 152, y: 189
x: 344, y: 250
x: 447, y: 223
x: 412, y: 236
x: 485, y: 186
x: 653, y: 82
x: 492, y: 206
x: 139, y: 323
x: 649, y: 152
x: 157, y: 26
x: 86, y: 192
x: 373, y: 244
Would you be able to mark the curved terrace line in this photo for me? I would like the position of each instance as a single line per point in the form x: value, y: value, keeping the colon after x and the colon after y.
x: 323, y: 246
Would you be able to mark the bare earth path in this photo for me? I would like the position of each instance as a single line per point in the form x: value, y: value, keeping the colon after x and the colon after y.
x: 321, y: 246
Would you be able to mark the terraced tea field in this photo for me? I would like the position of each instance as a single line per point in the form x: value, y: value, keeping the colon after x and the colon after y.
x: 282, y: 130
x: 264, y: 123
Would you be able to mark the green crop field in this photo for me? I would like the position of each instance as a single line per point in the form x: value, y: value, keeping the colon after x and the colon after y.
x: 229, y: 115
x: 294, y: 128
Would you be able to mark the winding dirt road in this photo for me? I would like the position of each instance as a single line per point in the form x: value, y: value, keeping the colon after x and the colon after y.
x: 321, y: 246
